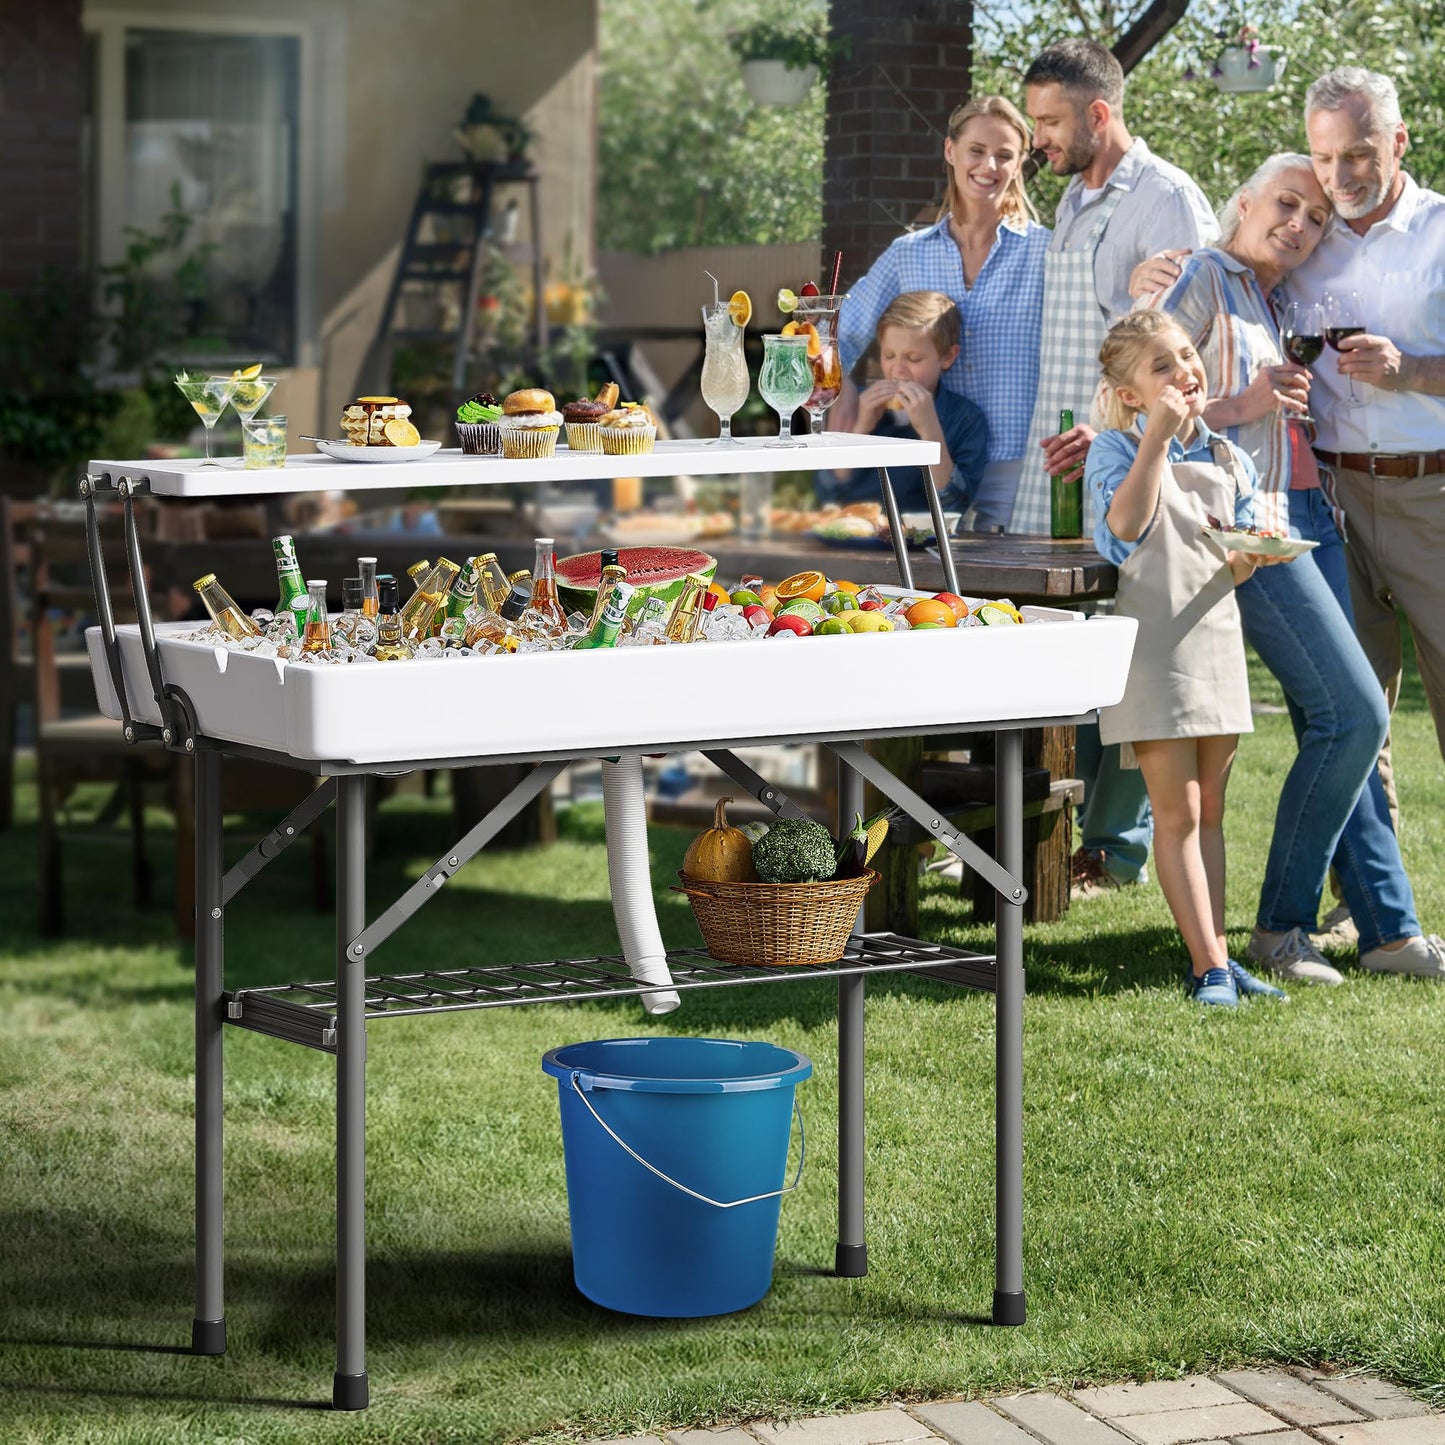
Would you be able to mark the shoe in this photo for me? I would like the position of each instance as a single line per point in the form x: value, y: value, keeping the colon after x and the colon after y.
x: 1088, y: 877
x: 1337, y: 930
x: 1217, y: 986
x: 1420, y: 958
x: 1292, y: 956
x: 1249, y: 985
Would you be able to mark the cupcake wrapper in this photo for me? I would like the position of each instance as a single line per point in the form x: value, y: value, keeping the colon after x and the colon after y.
x: 480, y: 438
x: 628, y: 441
x: 524, y: 443
x: 584, y: 436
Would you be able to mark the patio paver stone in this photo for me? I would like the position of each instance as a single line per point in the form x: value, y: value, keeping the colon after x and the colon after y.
x: 868, y: 1427
x: 1174, y: 1427
x: 1058, y: 1422
x: 1118, y: 1401
x: 1368, y: 1394
x: 723, y: 1435
x: 1287, y: 1395
x: 1417, y: 1430
x: 969, y: 1422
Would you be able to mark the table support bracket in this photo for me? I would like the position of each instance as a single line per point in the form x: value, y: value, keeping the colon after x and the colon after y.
x: 774, y: 799
x: 895, y: 523
x: 361, y: 947
x: 931, y: 820
x: 281, y: 837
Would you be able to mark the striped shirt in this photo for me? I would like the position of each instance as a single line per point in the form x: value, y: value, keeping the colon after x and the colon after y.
x: 1001, y: 314
x: 1219, y: 305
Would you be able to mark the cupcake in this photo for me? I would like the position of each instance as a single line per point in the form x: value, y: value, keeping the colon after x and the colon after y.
x: 378, y: 421
x: 628, y: 431
x: 477, y: 425
x: 581, y: 419
x: 530, y: 423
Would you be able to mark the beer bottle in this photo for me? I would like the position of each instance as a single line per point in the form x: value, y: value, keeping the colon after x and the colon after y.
x: 612, y: 574
x: 417, y: 571
x: 462, y: 590
x: 682, y: 623
x: 603, y: 632
x: 1066, y: 495
x: 294, y: 600
x: 224, y: 612
x: 492, y: 583
x: 423, y: 607
x: 391, y: 646
x: 503, y: 631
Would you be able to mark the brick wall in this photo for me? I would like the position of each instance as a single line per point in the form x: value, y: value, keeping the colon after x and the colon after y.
x: 887, y: 109
x: 42, y: 79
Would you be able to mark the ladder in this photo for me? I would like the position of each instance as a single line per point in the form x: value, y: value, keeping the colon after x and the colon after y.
x: 453, y: 222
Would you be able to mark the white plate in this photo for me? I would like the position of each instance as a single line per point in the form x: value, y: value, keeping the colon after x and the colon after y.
x: 918, y: 526
x: 346, y: 452
x: 1248, y: 542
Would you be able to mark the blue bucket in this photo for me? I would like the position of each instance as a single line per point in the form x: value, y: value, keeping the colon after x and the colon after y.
x: 677, y: 1154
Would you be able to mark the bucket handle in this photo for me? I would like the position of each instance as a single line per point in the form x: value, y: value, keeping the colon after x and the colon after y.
x: 692, y: 1193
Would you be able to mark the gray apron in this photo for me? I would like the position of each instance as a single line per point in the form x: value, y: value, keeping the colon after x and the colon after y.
x: 1187, y: 678
x: 1074, y: 330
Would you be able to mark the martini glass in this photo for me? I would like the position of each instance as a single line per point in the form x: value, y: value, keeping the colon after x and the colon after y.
x: 248, y: 395
x: 821, y: 312
x: 208, y: 396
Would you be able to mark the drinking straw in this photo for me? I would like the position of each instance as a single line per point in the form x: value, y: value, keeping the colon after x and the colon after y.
x: 837, y: 267
x: 716, y: 296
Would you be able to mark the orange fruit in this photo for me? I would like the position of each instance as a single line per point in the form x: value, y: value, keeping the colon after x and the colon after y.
x: 930, y: 609
x: 806, y: 328
x: 811, y: 585
x: 740, y: 308
x: 720, y: 592
x: 953, y: 600
x: 852, y: 587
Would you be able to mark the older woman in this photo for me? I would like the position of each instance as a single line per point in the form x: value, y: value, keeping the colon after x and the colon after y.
x: 986, y: 254
x: 1332, y: 806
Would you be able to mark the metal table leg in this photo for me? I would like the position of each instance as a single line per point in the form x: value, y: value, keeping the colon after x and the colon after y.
x: 1008, y: 1294
x: 349, y: 1389
x: 208, y: 1329
x: 851, y: 1256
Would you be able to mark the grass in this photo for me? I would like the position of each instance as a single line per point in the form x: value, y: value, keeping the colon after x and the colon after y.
x: 1201, y: 1191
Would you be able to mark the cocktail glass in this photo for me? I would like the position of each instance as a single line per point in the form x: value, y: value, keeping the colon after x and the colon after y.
x: 724, y: 368
x: 248, y: 395
x: 208, y: 396
x: 821, y: 312
x: 786, y: 380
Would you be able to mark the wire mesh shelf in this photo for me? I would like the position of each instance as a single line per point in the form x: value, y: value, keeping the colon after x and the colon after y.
x: 305, y: 1013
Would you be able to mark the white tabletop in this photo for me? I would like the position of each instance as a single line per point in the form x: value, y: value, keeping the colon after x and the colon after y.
x: 452, y: 468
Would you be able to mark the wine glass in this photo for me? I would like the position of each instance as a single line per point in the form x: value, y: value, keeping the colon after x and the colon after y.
x: 724, y: 367
x: 208, y: 396
x: 821, y: 312
x: 1344, y: 317
x: 248, y: 395
x: 1302, y: 335
x: 786, y: 380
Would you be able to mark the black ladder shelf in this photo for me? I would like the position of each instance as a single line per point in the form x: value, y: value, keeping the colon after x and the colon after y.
x: 453, y: 222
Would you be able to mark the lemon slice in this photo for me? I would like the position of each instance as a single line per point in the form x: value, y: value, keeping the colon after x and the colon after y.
x: 740, y: 308
x: 787, y: 300
x: 249, y: 374
x: 401, y: 433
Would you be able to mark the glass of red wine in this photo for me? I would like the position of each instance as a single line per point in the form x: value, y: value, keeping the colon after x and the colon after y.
x: 1343, y: 317
x: 1303, y: 338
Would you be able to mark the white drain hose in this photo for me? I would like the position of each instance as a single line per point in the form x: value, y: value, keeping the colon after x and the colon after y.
x: 633, y: 907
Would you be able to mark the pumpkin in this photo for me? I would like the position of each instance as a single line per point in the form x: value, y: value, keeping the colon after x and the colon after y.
x: 721, y: 854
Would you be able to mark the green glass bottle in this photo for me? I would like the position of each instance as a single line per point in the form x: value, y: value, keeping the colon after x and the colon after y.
x: 605, y: 630
x: 295, y: 600
x: 1066, y: 495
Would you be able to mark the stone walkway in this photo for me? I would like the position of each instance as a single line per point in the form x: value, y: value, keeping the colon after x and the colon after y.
x: 1243, y: 1407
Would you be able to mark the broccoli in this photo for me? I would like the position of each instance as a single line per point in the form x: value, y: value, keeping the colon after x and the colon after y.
x: 795, y: 850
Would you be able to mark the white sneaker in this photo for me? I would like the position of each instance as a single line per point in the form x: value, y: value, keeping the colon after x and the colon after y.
x: 1291, y: 955
x: 1337, y: 930
x: 1420, y: 958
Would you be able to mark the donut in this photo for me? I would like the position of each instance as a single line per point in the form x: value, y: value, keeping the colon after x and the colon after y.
x: 531, y: 398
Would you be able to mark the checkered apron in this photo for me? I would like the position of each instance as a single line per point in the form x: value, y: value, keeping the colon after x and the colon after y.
x: 1074, y: 330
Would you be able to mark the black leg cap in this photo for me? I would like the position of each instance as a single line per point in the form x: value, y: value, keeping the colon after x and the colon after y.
x: 350, y: 1392
x: 1008, y: 1309
x: 851, y: 1261
x: 208, y: 1337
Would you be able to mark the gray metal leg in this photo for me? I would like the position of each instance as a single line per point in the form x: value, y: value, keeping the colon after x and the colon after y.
x: 349, y: 1389
x: 851, y: 1256
x: 1008, y: 1294
x: 208, y: 1329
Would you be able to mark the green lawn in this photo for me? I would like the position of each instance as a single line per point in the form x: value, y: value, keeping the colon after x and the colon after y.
x: 1201, y: 1189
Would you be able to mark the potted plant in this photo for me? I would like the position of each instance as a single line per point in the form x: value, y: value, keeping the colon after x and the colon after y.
x: 1244, y: 63
x: 781, y: 61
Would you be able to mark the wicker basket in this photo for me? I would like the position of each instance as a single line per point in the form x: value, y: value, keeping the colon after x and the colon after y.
x: 779, y: 924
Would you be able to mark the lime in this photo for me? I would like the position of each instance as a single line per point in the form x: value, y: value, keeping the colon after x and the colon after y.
x: 832, y: 627
x: 991, y: 614
x: 840, y: 602
x: 745, y: 597
x: 787, y: 301
x: 804, y: 607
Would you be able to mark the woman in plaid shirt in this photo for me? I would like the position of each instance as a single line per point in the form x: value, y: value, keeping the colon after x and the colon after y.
x: 1332, y: 808
x: 986, y: 254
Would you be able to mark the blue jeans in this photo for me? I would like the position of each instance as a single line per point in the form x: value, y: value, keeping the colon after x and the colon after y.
x: 1297, y: 617
x: 1115, y: 819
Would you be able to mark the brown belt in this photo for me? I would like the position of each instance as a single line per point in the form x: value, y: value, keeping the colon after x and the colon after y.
x: 1386, y: 464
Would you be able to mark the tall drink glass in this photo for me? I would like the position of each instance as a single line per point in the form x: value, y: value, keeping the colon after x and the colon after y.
x: 786, y: 380
x: 724, y: 367
x: 821, y: 312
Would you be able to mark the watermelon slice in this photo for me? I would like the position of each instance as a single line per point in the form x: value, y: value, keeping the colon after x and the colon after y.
x: 654, y: 571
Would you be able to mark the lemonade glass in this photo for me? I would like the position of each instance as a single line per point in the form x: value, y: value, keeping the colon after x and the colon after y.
x: 208, y: 396
x: 822, y: 313
x: 786, y: 380
x: 264, y: 443
x: 724, y: 367
x: 248, y: 396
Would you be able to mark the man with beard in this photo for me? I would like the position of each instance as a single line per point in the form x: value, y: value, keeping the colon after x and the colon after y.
x: 1122, y: 205
x: 1387, y: 244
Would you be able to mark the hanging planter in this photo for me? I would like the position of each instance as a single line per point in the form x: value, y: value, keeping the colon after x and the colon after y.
x: 775, y: 82
x: 1243, y: 68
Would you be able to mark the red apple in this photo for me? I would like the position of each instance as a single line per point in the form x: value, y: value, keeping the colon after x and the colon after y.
x: 790, y: 622
x: 953, y: 602
x: 872, y: 605
x: 755, y: 613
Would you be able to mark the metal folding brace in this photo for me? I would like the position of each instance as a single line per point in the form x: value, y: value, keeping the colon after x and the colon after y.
x: 776, y: 801
x: 281, y: 837
x: 930, y: 819
x: 895, y: 523
x: 425, y: 888
x: 900, y: 542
